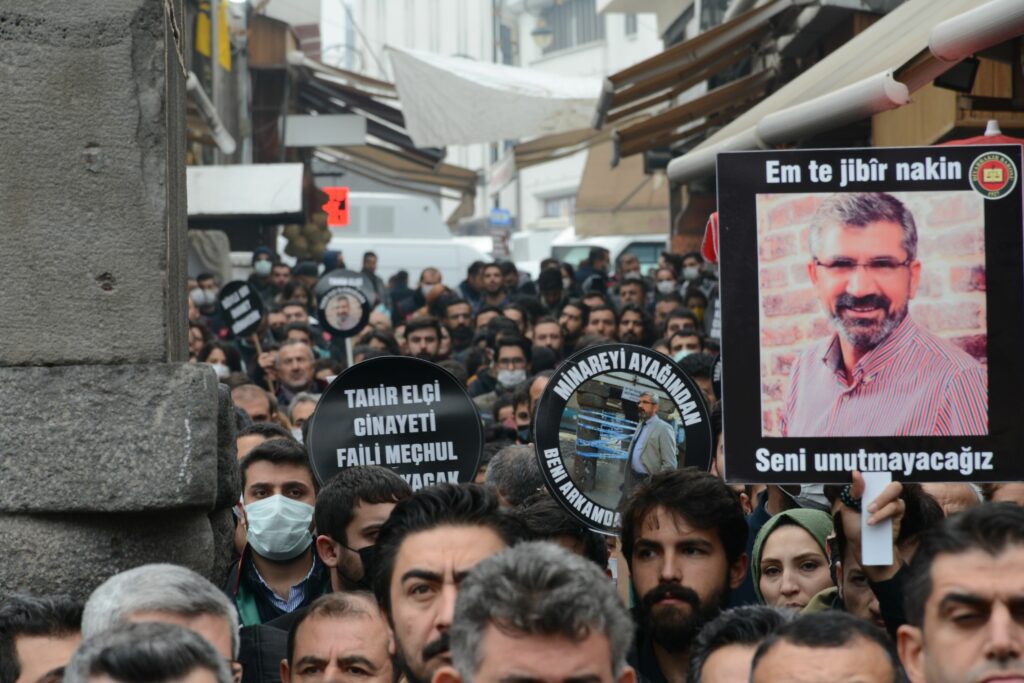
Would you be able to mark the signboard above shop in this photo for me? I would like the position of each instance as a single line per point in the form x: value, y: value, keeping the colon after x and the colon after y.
x: 267, y: 191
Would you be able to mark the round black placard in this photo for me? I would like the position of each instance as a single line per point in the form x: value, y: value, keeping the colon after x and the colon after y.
x: 243, y: 308
x: 404, y: 413
x: 343, y: 311
x: 589, y: 418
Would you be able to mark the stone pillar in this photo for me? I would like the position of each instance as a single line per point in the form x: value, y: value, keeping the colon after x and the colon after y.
x: 109, y: 451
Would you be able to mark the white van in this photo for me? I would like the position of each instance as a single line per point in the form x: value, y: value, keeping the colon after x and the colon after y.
x: 407, y: 233
x: 571, y: 249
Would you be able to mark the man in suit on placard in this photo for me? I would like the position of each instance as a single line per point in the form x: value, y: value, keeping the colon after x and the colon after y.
x: 653, y: 447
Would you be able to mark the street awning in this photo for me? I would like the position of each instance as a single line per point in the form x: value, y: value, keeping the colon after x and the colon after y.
x: 329, y: 90
x: 873, y: 72
x: 668, y: 74
x: 454, y: 100
x: 687, y: 118
x: 620, y: 200
x: 401, y: 170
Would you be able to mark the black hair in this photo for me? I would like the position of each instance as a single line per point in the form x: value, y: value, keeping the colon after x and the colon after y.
x: 502, y: 402
x: 921, y: 512
x: 605, y: 307
x: 302, y: 327
x: 673, y: 297
x: 633, y: 281
x: 268, y: 430
x: 989, y: 527
x: 457, y: 370
x: 546, y: 520
x: 452, y: 299
x: 828, y: 629
x: 698, y: 364
x: 508, y: 267
x: 693, y: 291
x: 204, y: 276
x: 598, y: 254
x: 232, y: 358
x: 337, y: 500
x: 749, y: 625
x: 513, y: 340
x: 278, y: 452
x: 29, y: 615
x: 581, y: 307
x: 475, y: 267
x: 645, y: 321
x: 430, y: 508
x: 423, y: 322
x: 702, y: 499
x: 388, y: 340
x: 486, y: 309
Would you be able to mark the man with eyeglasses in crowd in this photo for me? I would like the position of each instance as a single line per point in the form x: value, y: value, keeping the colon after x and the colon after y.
x: 880, y: 373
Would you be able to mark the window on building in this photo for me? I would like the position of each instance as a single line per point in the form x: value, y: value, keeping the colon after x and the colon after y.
x: 631, y: 24
x: 562, y: 206
x: 574, y: 22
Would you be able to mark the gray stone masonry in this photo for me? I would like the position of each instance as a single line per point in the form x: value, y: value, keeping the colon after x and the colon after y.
x: 114, y: 451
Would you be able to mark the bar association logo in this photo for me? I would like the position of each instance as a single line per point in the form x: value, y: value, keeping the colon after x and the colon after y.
x: 993, y: 175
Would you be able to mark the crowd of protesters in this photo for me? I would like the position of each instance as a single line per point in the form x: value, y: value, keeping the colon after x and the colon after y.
x: 362, y: 579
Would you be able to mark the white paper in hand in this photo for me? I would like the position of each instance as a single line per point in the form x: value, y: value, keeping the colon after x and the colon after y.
x: 876, y: 541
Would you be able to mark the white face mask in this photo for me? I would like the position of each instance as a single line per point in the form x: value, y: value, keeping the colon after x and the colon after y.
x: 666, y: 286
x: 691, y: 272
x: 510, y: 378
x: 278, y: 527
x: 566, y: 283
x: 681, y: 354
x: 297, y: 434
x: 425, y: 289
x: 221, y: 370
x: 203, y: 297
x: 262, y: 268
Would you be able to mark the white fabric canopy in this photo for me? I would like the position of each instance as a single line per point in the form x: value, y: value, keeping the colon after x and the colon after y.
x: 454, y: 100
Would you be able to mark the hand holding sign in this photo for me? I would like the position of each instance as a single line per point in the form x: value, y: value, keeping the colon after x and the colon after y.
x: 886, y: 509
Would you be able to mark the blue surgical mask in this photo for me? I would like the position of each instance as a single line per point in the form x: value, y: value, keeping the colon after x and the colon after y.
x: 278, y: 527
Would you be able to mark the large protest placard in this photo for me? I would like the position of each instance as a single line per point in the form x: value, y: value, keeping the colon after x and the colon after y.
x: 243, y: 308
x: 872, y: 310
x: 609, y: 413
x: 404, y: 413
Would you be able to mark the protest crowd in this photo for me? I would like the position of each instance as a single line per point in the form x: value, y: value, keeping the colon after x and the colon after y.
x: 361, y: 578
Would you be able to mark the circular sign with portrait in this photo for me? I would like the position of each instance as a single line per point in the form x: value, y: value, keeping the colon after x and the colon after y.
x: 343, y: 311
x: 243, y: 308
x: 611, y: 416
x: 342, y: 277
x: 404, y: 413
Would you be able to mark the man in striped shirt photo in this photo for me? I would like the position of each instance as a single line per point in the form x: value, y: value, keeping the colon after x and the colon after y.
x: 879, y: 373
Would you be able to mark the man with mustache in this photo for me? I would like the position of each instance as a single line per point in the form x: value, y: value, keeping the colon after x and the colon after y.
x: 424, y: 550
x: 880, y: 374
x: 683, y: 537
x: 963, y: 592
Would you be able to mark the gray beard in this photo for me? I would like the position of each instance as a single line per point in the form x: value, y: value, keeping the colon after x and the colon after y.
x: 865, y: 337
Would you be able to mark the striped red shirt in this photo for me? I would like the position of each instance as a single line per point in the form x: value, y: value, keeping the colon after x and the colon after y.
x: 912, y: 384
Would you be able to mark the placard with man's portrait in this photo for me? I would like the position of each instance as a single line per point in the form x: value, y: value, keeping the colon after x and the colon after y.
x: 871, y: 299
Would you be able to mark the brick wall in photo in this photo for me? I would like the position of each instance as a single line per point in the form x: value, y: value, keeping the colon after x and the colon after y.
x: 950, y: 301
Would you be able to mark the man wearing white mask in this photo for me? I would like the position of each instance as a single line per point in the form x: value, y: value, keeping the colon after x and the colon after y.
x: 278, y: 571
